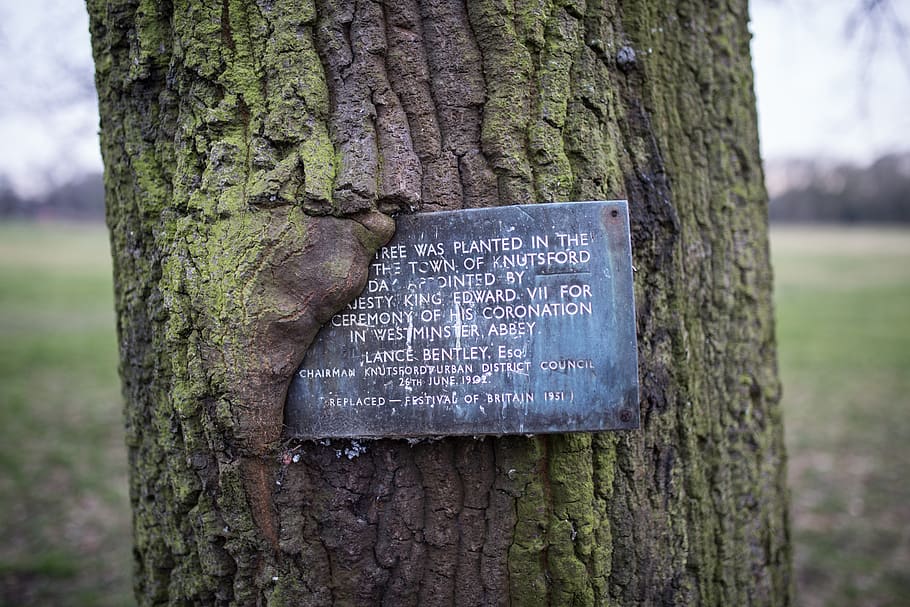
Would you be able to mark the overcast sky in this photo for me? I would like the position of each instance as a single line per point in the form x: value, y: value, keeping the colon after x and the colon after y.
x: 48, y: 113
x: 820, y: 92
x: 823, y: 92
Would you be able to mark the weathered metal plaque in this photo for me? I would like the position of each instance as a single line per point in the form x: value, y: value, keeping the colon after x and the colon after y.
x: 509, y: 320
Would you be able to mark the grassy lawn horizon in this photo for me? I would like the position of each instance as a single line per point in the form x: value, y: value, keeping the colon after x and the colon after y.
x: 64, y: 511
x: 843, y: 322
x: 842, y: 299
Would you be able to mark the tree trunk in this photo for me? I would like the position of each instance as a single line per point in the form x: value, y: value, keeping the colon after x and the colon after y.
x: 254, y: 152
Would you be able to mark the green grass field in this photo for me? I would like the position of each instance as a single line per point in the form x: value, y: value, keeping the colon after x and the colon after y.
x: 843, y: 306
x: 843, y: 314
x: 64, y: 512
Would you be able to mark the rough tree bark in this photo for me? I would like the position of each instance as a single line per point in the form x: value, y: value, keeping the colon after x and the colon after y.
x: 254, y: 153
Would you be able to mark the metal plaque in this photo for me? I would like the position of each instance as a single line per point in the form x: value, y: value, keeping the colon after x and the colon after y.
x: 508, y: 320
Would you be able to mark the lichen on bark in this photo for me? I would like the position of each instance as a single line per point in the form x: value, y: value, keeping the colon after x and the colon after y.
x: 254, y: 151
